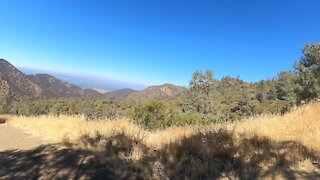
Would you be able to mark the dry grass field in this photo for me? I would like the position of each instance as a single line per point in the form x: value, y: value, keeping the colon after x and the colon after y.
x: 264, y: 147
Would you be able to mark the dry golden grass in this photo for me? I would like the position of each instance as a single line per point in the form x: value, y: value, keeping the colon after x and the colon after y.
x: 280, y: 147
x: 301, y: 125
x: 58, y: 129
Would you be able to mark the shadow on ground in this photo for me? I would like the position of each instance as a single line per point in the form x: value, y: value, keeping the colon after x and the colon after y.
x: 49, y: 162
x: 218, y: 155
x: 211, y: 156
x: 2, y: 120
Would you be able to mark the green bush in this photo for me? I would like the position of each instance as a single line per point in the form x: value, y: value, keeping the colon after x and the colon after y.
x: 151, y: 115
x: 156, y: 114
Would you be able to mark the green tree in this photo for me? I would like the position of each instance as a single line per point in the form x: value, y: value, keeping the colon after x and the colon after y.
x: 287, y: 86
x: 198, y: 98
x: 201, y: 82
x: 262, y: 91
x: 308, y: 69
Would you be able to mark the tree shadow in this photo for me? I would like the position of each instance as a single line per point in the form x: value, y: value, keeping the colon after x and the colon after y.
x: 219, y: 155
x: 212, y: 155
x: 3, y: 120
x: 54, y: 162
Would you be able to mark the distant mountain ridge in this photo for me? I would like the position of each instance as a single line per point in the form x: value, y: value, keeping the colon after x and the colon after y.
x: 164, y: 91
x: 120, y: 94
x: 16, y: 85
x: 54, y: 87
x: 86, y: 80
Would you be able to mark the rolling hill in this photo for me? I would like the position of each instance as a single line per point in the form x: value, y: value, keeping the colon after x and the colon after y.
x: 164, y: 91
x: 16, y: 85
x: 54, y: 87
x: 121, y: 93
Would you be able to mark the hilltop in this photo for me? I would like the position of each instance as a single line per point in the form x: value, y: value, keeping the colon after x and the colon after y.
x: 165, y: 91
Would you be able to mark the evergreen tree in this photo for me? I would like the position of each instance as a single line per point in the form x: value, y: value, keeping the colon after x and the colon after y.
x: 199, y: 96
x: 308, y: 69
x: 287, y: 87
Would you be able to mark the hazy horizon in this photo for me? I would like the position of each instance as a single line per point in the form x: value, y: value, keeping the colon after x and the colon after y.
x: 87, y: 81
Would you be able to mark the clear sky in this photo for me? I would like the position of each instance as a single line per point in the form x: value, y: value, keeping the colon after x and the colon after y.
x: 158, y: 41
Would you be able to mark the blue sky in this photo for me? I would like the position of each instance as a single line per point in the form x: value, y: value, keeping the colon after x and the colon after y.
x: 158, y: 41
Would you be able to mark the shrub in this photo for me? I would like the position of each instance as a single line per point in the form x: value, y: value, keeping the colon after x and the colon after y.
x: 151, y: 115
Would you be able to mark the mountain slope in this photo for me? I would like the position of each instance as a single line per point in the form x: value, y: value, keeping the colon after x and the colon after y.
x: 15, y: 85
x: 164, y: 91
x: 53, y: 87
x: 120, y: 94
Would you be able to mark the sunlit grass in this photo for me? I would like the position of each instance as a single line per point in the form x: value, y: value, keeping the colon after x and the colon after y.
x: 255, y: 144
x: 301, y: 125
x: 59, y: 128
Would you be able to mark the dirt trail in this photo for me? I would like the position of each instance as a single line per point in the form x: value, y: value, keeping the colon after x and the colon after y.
x: 15, y: 139
x: 23, y: 156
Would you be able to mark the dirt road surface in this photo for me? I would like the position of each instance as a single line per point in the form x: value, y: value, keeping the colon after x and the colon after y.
x: 15, y: 139
x: 23, y: 156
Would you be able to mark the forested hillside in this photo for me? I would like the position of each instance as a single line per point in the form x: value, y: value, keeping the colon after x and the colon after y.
x: 207, y: 100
